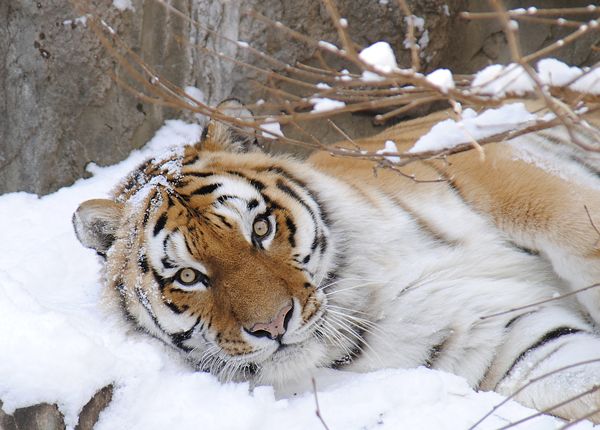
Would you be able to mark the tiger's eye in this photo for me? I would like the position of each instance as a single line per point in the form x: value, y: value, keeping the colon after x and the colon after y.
x: 261, y: 227
x: 187, y: 276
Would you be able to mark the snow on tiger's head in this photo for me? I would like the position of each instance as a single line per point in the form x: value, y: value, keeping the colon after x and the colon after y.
x: 217, y: 250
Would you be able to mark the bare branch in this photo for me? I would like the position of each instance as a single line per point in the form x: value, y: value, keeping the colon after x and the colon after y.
x: 318, y: 411
x: 533, y: 305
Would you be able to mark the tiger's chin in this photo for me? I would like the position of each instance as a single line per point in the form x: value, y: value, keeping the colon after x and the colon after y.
x: 278, y: 366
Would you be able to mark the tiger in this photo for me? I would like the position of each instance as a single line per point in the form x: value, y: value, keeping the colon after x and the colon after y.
x: 264, y: 268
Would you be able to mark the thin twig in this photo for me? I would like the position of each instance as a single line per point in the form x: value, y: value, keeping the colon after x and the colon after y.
x: 410, y: 35
x: 533, y: 305
x: 318, y: 411
x: 348, y: 138
x: 593, y: 225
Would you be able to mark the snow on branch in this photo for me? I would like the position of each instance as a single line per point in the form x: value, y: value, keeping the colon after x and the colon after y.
x: 372, y: 81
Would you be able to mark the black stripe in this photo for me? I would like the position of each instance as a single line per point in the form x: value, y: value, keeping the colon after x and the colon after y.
x: 252, y: 204
x: 179, y: 338
x: 123, y: 297
x: 548, y: 337
x: 287, y: 190
x: 142, y: 167
x: 146, y: 217
x: 146, y: 305
x: 207, y: 189
x: 434, y: 353
x: 181, y: 183
x: 173, y: 307
x: 323, y: 241
x: 120, y: 285
x: 222, y: 199
x: 292, y: 228
x: 160, y: 224
x: 302, y: 184
x: 143, y: 263
x: 271, y: 204
x: 190, y: 160
x: 234, y: 173
x: 189, y: 249
x: 223, y: 220
x: 287, y: 175
x: 162, y: 282
x: 167, y: 264
x: 147, y: 212
x: 352, y: 355
x: 137, y: 176
x: 315, y: 243
x: 199, y: 174
x: 515, y: 319
x: 283, y: 187
x: 257, y: 184
x: 323, y: 215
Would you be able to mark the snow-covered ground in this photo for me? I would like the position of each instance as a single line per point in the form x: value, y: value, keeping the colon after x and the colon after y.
x: 56, y: 345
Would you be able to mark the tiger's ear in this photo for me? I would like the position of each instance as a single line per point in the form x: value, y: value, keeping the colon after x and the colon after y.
x: 218, y: 136
x: 96, y: 223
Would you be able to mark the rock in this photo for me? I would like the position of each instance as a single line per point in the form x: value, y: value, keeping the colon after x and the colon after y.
x: 478, y: 43
x: 38, y: 417
x: 59, y: 108
x: 47, y: 417
x: 91, y: 411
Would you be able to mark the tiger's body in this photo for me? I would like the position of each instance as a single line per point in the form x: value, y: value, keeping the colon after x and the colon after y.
x: 266, y: 268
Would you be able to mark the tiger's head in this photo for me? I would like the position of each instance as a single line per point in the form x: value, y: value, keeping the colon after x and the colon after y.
x: 219, y: 250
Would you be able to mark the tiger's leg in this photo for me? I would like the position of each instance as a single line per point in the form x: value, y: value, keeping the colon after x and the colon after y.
x: 550, y: 361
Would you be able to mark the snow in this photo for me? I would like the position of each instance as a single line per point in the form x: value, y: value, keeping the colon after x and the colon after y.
x: 59, y: 347
x: 390, y: 148
x: 424, y: 40
x: 195, y: 93
x: 271, y: 129
x: 556, y: 73
x: 380, y: 56
x: 123, y: 5
x: 499, y: 80
x: 321, y: 104
x: 450, y: 133
x: 416, y: 21
x: 328, y: 46
x: 82, y: 20
x: 442, y: 79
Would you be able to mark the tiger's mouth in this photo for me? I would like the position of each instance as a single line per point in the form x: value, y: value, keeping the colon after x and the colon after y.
x: 276, y: 359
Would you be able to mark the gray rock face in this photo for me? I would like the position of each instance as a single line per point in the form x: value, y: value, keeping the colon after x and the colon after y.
x: 478, y: 43
x: 47, y: 417
x: 59, y: 108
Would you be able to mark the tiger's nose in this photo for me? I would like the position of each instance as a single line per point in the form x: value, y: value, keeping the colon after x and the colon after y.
x: 276, y: 328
